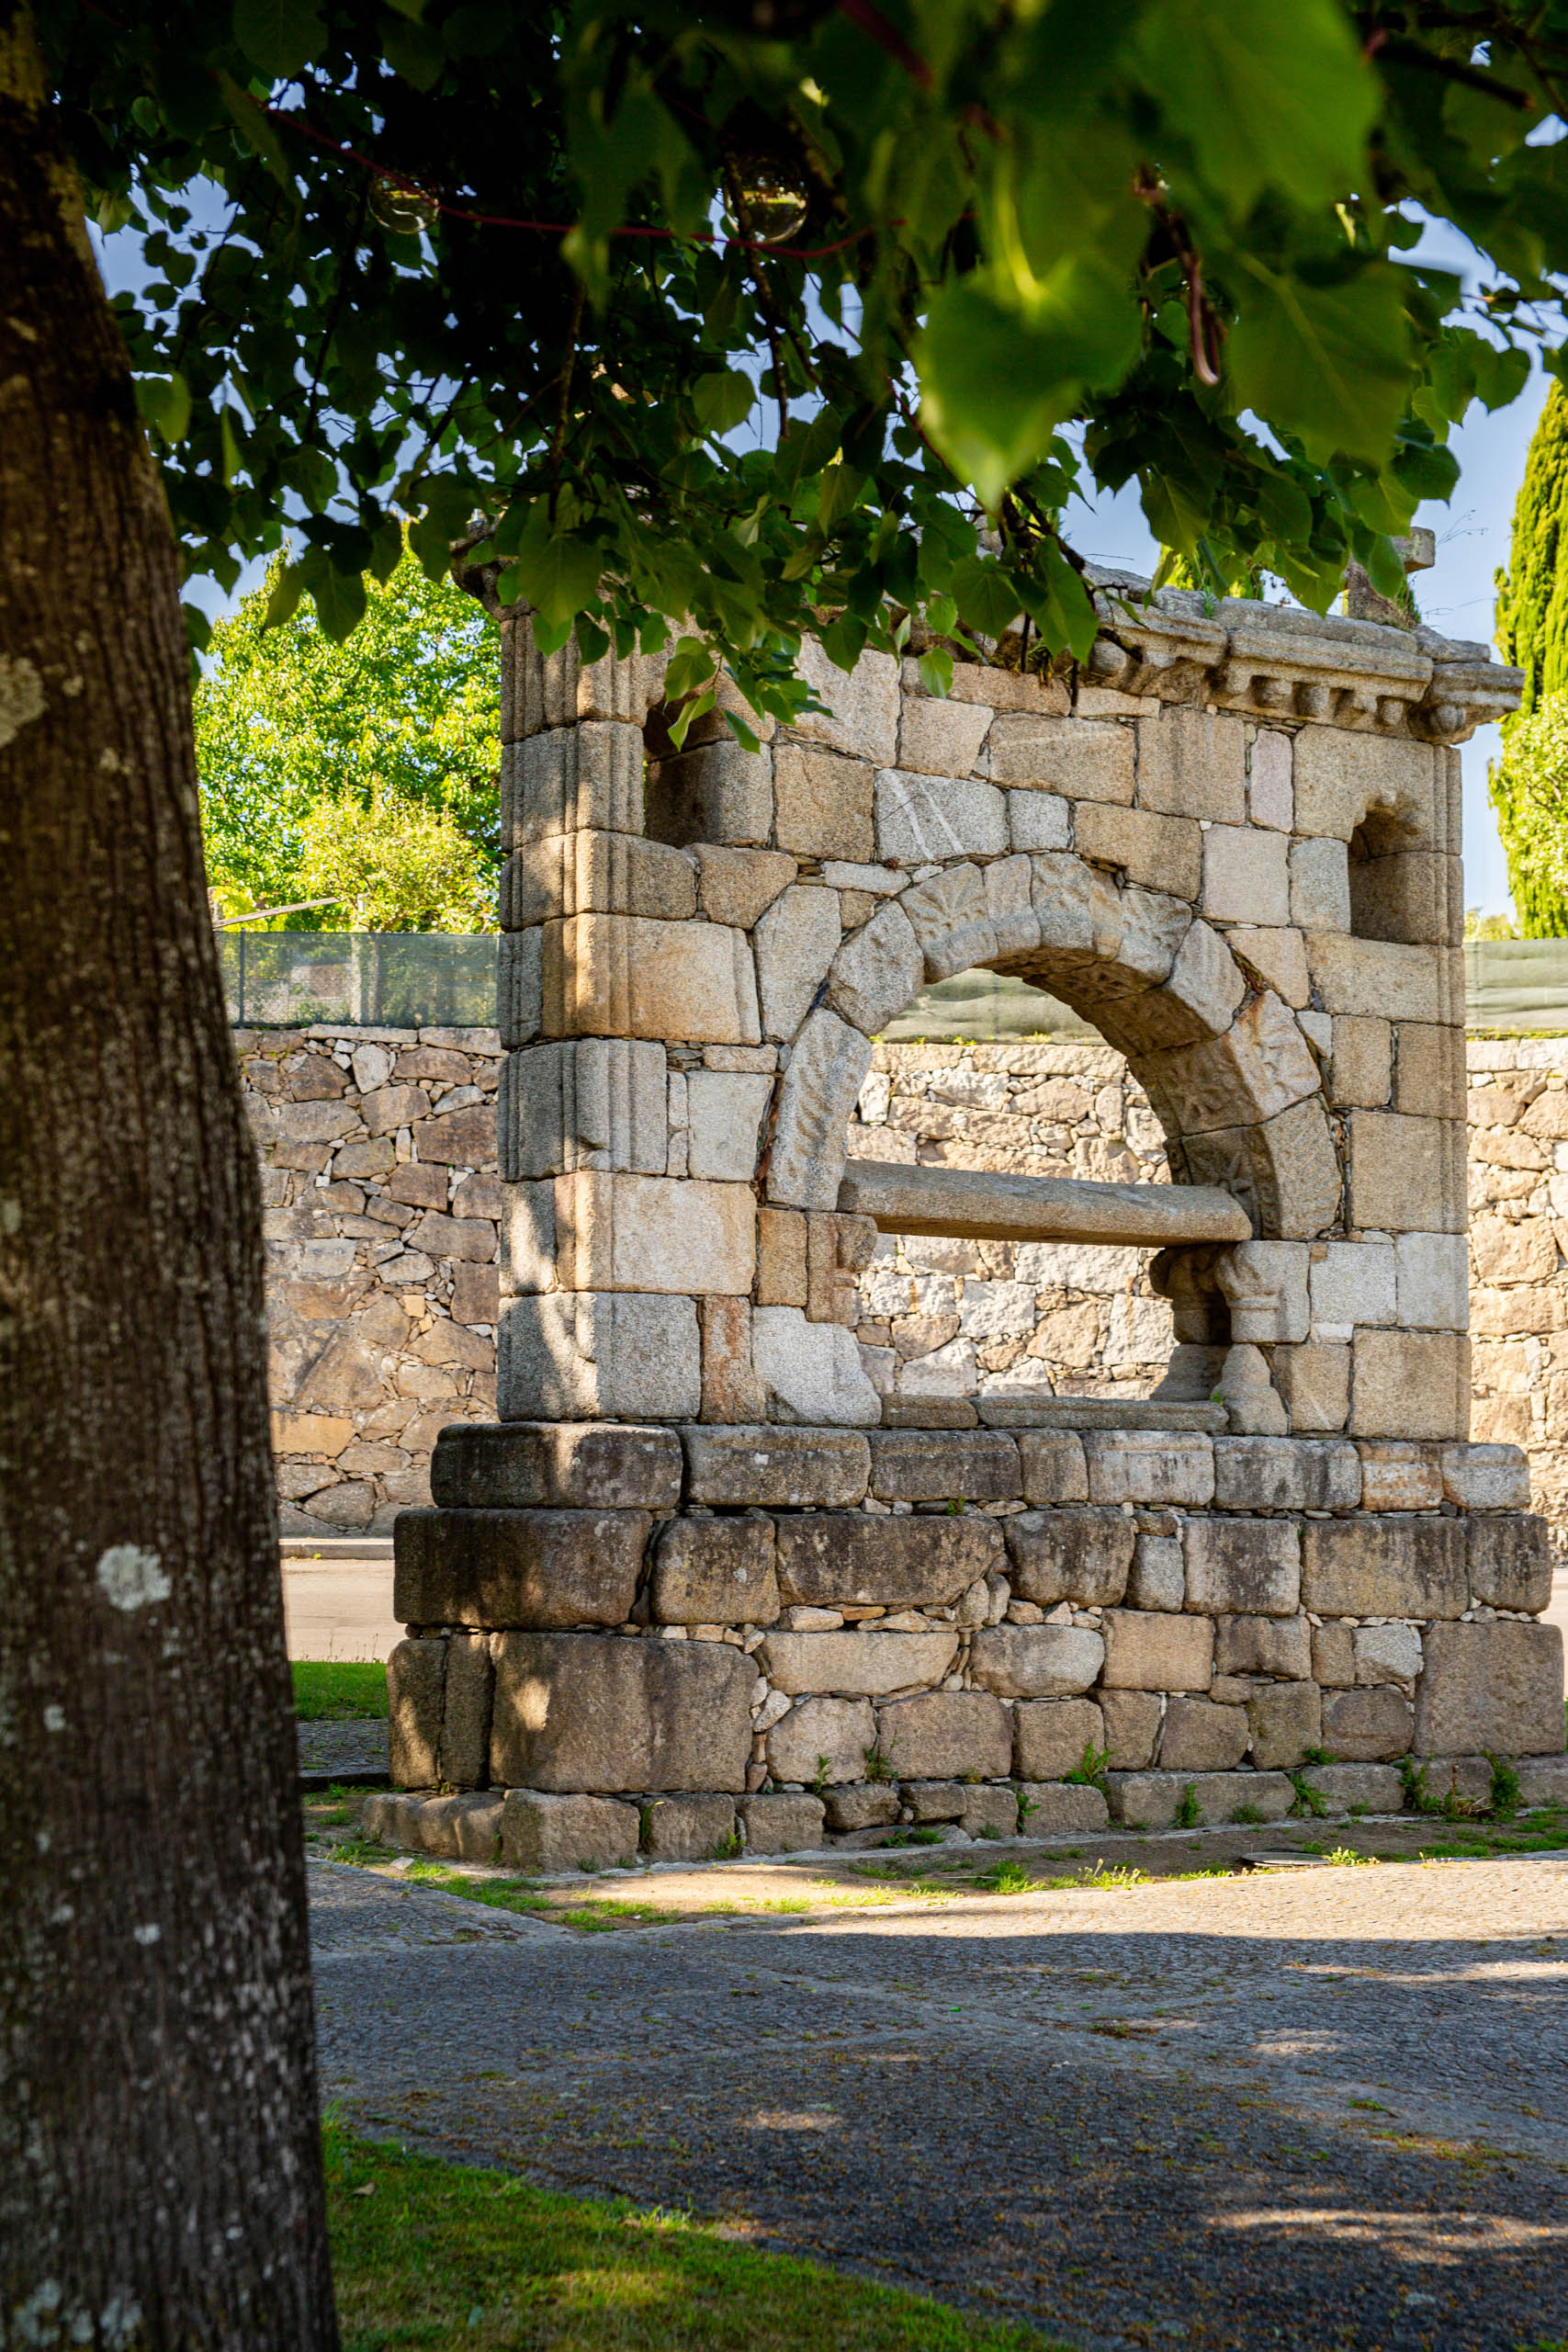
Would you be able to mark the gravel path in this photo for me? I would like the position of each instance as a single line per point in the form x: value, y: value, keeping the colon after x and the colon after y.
x: 1316, y: 2109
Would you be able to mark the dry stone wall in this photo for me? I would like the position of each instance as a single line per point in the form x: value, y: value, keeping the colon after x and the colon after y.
x: 380, y: 1212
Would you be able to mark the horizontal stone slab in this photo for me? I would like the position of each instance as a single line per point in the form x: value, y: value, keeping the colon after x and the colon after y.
x: 572, y: 1466
x: 836, y: 1559
x: 775, y: 1468
x: 497, y: 1568
x: 1000, y: 1410
x: 961, y: 1734
x: 714, y: 1572
x: 1361, y: 1788
x: 1037, y: 1661
x: 1066, y: 1555
x: 982, y: 1206
x: 927, y: 1466
x: 1157, y: 1800
x: 580, y: 1713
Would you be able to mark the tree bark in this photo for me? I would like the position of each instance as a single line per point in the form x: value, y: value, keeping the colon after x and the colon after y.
x: 159, y: 2166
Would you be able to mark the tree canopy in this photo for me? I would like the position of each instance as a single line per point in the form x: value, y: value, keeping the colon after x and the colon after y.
x: 361, y: 770
x: 756, y: 314
x: 1529, y: 783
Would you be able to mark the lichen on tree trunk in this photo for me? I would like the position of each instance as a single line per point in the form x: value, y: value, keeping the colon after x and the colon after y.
x: 159, y: 2172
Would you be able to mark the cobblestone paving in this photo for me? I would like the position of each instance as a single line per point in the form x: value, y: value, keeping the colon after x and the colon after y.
x: 1318, y: 2108
x: 342, y: 1744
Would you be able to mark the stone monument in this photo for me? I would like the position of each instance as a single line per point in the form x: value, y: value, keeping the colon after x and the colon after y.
x: 697, y: 1590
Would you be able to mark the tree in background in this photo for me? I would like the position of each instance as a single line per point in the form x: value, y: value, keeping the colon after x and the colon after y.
x: 362, y: 770
x: 1529, y: 783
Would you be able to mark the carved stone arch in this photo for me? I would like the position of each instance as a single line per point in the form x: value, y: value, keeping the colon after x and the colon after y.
x: 1226, y: 1066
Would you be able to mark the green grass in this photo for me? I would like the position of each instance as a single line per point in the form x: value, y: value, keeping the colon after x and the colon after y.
x: 325, y: 1687
x: 435, y: 2256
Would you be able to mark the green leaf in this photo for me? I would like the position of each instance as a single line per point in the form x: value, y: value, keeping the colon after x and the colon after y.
x: 255, y: 128
x: 936, y: 672
x: 1500, y: 375
x: 1060, y: 604
x: 698, y: 707
x: 229, y: 444
x: 1330, y: 364
x: 416, y: 51
x: 338, y: 596
x: 164, y: 401
x: 279, y: 37
x: 996, y: 384
x: 284, y: 601
x: 558, y: 572
x: 723, y: 401
x: 1267, y: 97
x: 843, y: 642
x: 987, y: 597
x: 741, y: 732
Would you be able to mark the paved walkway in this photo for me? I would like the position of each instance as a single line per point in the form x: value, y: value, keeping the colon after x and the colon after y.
x: 337, y: 1602
x: 1322, y: 2109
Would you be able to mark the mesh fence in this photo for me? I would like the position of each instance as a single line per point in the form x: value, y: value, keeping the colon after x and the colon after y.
x: 359, y: 979
x: 408, y: 980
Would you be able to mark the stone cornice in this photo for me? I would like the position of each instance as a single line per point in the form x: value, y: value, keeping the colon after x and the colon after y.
x: 1281, y: 662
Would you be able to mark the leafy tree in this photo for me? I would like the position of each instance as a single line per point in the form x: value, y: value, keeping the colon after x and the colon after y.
x: 746, y: 312
x: 313, y: 751
x: 1529, y: 783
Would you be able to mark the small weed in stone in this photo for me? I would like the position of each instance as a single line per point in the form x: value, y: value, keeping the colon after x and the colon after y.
x: 877, y: 1766
x: 1009, y: 1878
x: 915, y: 1838
x: 1346, y: 1858
x: 1505, y: 1788
x: 1089, y: 1770
x: 1371, y: 2106
x: 1247, y: 1814
x: 1317, y: 1756
x: 1189, y: 1813
x: 1309, y: 1801
x: 819, y: 1779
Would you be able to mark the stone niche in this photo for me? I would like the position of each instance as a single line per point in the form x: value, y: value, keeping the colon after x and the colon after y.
x: 698, y: 1588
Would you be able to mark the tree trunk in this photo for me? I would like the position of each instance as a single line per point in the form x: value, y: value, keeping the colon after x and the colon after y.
x: 160, y: 2169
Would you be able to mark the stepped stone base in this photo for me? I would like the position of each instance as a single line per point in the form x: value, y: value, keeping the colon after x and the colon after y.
x: 775, y: 1636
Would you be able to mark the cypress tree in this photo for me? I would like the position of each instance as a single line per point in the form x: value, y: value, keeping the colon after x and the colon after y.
x: 1532, y: 633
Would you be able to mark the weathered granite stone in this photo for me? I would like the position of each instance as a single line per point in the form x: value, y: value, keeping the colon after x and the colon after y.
x: 1399, y: 1475
x: 1278, y: 1645
x: 562, y: 1466
x: 1510, y: 1564
x: 1390, y: 1653
x: 864, y: 1804
x: 1543, y: 1779
x: 822, y: 1740
x: 812, y: 1371
x: 1497, y: 1686
x: 935, y: 1800
x: 543, y: 1569
x: 1036, y: 1661
x: 1149, y: 1466
x: 1058, y: 1808
x: 1158, y: 1577
x: 1334, y: 1655
x: 1244, y: 1566
x: 578, y: 1711
x: 1199, y: 1736
x: 1131, y: 1720
x: 946, y: 1731
x: 826, y: 1069
x: 1050, y: 1736
x: 1366, y: 1727
x: 1054, y: 1466
x: 989, y: 1812
x: 832, y: 1559
x: 866, y: 1663
x: 714, y: 1572
x: 584, y: 1354
x: 466, y: 1711
x: 1486, y: 1477
x: 1082, y: 1556
x: 1286, y: 1474
x: 1145, y: 1651
x: 688, y: 1829
x: 969, y: 1465
x: 780, y: 1823
x: 877, y: 970
x: 1400, y: 1566
x: 1146, y: 1799
x: 416, y: 1681
x: 1222, y: 1795
x: 1362, y: 1788
x: 1286, y: 1719
x: 775, y: 1468
x: 567, y: 1833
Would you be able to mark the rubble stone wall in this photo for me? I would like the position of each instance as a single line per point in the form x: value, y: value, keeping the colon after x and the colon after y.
x: 380, y: 1212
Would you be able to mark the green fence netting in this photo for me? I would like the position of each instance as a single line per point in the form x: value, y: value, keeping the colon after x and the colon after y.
x: 407, y: 980
x: 359, y: 979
